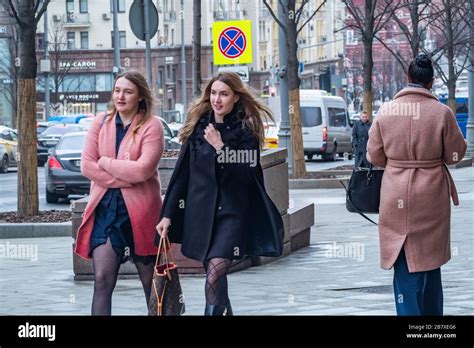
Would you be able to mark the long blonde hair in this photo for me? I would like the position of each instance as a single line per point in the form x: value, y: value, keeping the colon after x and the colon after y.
x: 253, y: 108
x: 144, y: 106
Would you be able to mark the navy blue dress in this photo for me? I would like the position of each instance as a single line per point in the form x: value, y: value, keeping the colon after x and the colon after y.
x: 111, y: 216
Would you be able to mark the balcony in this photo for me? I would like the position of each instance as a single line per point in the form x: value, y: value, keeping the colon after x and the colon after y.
x: 169, y: 17
x: 76, y: 20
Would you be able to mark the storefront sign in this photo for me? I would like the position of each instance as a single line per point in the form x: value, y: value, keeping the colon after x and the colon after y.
x: 78, y: 65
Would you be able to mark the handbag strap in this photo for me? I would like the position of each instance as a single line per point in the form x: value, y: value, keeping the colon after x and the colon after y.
x: 354, y: 206
x: 164, y: 249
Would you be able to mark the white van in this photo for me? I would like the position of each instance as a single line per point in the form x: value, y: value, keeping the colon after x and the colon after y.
x: 326, y: 126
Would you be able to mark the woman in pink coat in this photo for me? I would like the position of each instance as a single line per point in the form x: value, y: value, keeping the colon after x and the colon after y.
x: 120, y: 157
x: 414, y: 137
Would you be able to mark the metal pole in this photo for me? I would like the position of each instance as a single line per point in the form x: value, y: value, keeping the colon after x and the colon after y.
x: 284, y: 134
x: 183, y: 64
x: 46, y: 75
x: 146, y: 15
x: 470, y: 74
x: 117, y: 67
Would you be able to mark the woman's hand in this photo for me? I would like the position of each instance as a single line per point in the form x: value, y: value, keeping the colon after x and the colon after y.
x: 213, y: 137
x: 163, y: 227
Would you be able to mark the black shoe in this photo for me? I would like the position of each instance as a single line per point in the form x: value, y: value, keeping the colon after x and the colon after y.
x: 214, y: 310
x: 229, y: 310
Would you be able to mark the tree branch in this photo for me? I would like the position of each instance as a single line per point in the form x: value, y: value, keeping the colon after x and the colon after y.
x: 311, y: 17
x: 42, y: 10
x: 397, y: 55
x: 15, y: 13
x: 275, y: 17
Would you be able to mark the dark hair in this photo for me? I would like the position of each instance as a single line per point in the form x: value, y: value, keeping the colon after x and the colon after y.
x: 421, y: 70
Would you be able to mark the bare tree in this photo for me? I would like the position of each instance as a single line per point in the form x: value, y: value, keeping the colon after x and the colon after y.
x: 415, y: 30
x: 367, y: 24
x: 60, y: 62
x: 27, y: 14
x: 294, y: 23
x: 451, y: 31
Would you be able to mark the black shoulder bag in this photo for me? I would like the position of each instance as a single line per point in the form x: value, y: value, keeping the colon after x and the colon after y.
x: 363, y: 193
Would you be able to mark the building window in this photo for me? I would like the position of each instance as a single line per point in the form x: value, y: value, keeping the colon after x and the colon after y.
x: 172, y: 37
x: 84, y: 40
x: 122, y: 39
x: 83, y: 6
x: 159, y: 80
x: 70, y: 6
x: 71, y: 40
x: 351, y: 39
x: 121, y: 6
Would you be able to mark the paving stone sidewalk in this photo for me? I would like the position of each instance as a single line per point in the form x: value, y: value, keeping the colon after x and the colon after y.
x: 338, y: 274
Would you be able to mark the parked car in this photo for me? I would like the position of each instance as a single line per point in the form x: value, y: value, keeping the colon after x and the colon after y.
x: 43, y: 125
x: 50, y: 137
x: 171, y: 141
x: 326, y: 125
x: 63, y: 169
x: 271, y: 135
x: 9, y: 143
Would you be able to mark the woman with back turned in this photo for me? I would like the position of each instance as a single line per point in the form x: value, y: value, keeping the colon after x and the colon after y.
x: 414, y: 137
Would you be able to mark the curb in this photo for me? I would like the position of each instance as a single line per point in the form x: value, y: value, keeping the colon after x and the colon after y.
x: 301, y: 184
x: 35, y: 230
x: 465, y: 162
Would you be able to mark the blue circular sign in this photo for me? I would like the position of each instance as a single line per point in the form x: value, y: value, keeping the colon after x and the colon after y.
x: 232, y: 42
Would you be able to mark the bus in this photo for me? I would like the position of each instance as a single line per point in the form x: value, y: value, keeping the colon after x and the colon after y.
x: 462, y: 102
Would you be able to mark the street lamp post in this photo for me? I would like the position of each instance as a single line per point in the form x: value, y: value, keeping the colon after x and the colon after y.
x: 183, y: 64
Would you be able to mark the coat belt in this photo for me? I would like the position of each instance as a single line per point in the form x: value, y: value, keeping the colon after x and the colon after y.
x: 428, y: 164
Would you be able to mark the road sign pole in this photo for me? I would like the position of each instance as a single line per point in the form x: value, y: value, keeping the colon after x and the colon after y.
x: 46, y: 75
x: 116, y: 39
x: 146, y: 15
x: 284, y: 135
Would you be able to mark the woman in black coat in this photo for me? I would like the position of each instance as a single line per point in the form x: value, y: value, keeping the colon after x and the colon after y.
x: 216, y: 205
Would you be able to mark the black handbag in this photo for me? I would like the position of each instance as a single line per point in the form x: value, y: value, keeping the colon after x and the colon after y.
x: 363, y: 193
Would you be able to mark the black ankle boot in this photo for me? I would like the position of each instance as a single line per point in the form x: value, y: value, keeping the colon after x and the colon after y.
x: 214, y: 310
x: 229, y: 310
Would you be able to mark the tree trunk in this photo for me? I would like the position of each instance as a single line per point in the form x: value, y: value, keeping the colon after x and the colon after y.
x: 27, y: 164
x: 299, y: 164
x: 197, y: 48
x: 26, y: 99
x: 368, y: 67
x: 450, y: 57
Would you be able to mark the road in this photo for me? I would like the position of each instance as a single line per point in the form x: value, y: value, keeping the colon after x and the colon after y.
x: 8, y: 186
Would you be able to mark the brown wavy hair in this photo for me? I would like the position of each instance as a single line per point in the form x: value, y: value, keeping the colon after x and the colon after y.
x: 255, y: 111
x: 144, y: 106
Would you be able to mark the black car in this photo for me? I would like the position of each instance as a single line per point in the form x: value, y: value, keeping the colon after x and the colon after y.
x: 63, y: 169
x: 50, y: 137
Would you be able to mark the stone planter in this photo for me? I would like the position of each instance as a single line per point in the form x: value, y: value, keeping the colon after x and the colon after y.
x: 297, y: 221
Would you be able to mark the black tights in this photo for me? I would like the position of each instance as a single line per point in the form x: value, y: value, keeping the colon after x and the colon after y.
x: 106, y: 264
x: 216, y: 281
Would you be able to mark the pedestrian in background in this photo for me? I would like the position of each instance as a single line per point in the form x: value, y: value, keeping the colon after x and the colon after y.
x: 414, y: 137
x: 360, y: 136
x: 120, y: 157
x: 216, y: 205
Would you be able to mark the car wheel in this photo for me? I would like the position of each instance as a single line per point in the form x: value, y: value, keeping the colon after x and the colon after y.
x: 328, y: 157
x: 51, y: 197
x: 4, y: 164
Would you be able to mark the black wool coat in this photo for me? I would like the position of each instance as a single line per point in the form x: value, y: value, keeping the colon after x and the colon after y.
x: 207, y: 196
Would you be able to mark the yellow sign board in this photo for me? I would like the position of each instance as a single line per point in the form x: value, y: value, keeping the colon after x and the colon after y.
x: 232, y: 42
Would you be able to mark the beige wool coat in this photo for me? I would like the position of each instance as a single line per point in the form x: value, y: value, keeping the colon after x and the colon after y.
x: 414, y: 137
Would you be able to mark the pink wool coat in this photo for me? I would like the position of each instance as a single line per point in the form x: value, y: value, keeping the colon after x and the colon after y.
x: 413, y: 137
x: 134, y: 172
